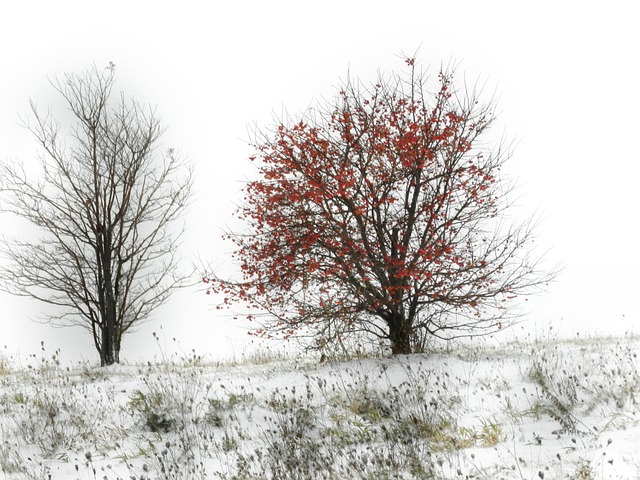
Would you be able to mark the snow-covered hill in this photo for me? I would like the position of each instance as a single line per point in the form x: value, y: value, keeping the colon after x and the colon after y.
x: 553, y: 409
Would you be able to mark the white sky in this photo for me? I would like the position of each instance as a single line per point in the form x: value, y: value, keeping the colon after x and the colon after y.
x: 567, y: 74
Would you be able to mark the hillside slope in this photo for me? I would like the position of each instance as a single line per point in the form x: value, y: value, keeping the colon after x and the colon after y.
x: 555, y: 409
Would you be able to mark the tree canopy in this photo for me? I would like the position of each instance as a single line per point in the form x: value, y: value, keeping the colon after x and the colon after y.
x: 105, y: 203
x: 382, y: 211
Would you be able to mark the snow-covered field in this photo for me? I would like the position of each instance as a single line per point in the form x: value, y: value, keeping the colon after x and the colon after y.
x: 541, y: 409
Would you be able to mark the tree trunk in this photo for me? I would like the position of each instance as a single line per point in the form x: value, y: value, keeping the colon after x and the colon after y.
x: 107, y: 356
x: 110, y: 343
x: 116, y: 344
x: 400, y: 335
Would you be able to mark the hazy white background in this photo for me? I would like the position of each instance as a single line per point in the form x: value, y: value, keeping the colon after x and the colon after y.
x: 566, y: 72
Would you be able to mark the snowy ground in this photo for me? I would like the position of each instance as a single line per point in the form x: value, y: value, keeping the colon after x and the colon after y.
x: 553, y: 409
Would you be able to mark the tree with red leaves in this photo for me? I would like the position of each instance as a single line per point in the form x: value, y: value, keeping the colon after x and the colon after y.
x: 382, y: 212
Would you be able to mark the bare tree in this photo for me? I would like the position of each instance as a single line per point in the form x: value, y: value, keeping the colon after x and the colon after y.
x: 106, y: 205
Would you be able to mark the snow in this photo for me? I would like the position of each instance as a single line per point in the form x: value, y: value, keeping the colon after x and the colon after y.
x: 524, y: 410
